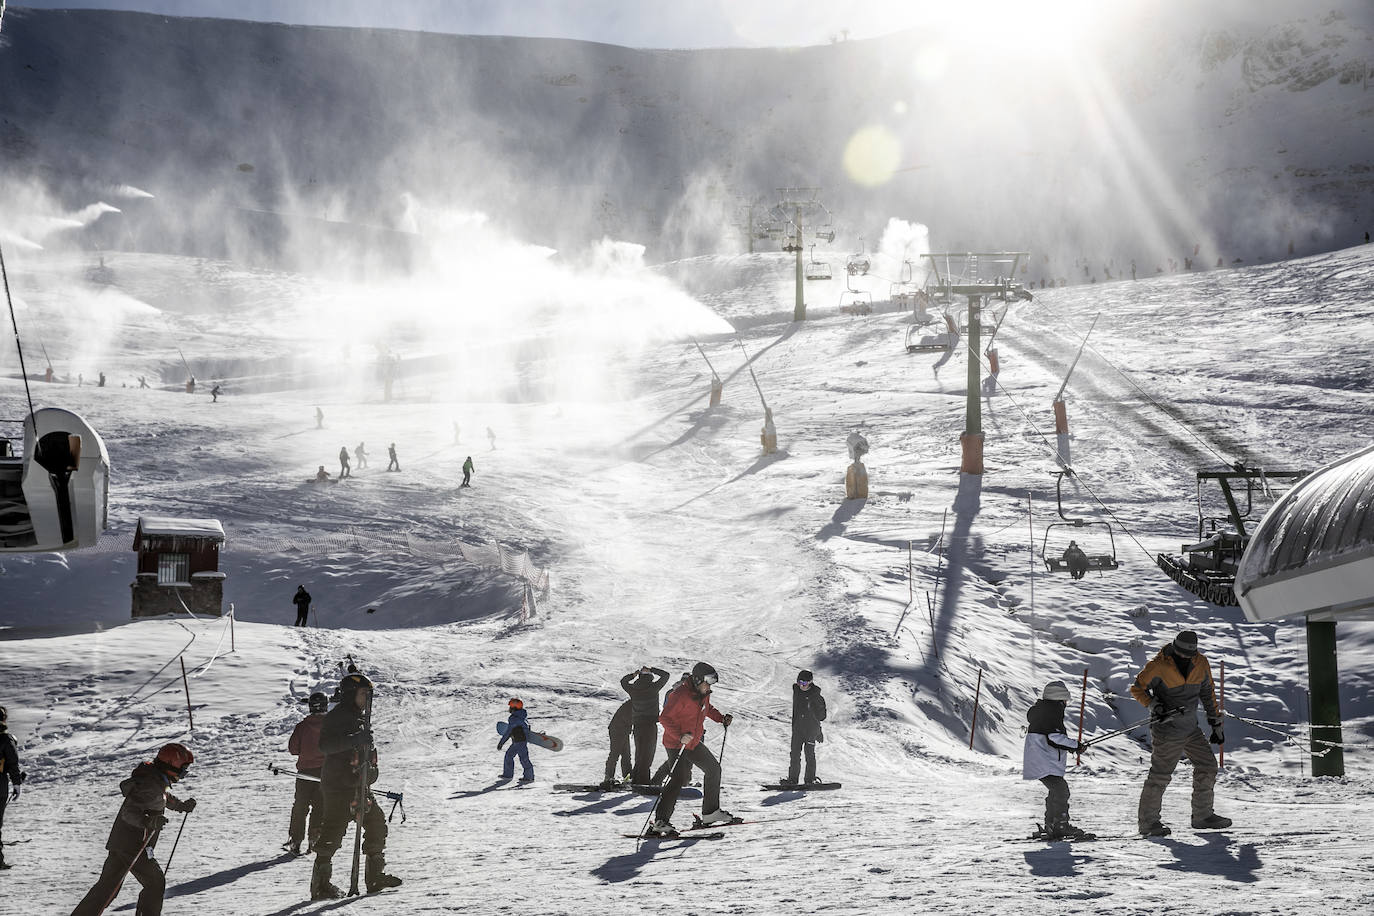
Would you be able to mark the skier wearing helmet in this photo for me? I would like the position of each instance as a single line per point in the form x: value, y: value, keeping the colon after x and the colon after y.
x: 305, y: 744
x: 1045, y: 757
x: 135, y: 832
x: 684, y: 715
x: 349, y: 758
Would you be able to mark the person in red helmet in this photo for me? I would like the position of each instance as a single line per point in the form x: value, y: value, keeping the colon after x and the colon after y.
x: 135, y: 833
x: 684, y: 715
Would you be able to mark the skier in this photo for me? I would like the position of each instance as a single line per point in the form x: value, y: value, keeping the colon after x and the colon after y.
x: 518, y: 720
x: 302, y: 602
x: 135, y: 832
x: 1076, y: 560
x: 1045, y: 756
x: 214, y: 394
x: 620, y: 745
x: 467, y: 472
x: 684, y: 720
x: 644, y: 686
x: 360, y: 455
x: 100, y: 382
x: 808, y: 712
x: 394, y: 464
x: 319, y: 418
x: 1170, y: 685
x: 322, y: 476
x: 349, y: 757
x: 9, y: 773
x: 305, y: 744
x: 343, y: 462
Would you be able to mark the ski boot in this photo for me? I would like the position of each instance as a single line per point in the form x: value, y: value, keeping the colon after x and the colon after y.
x: 718, y: 816
x: 813, y: 781
x: 662, y: 829
x: 529, y: 778
x: 607, y: 785
x: 320, y: 886
x: 1212, y: 821
x: 375, y: 874
x: 787, y: 781
x: 1155, y: 829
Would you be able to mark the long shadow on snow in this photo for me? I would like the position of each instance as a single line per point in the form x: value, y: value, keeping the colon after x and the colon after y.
x: 627, y: 867
x: 1056, y: 860
x: 1216, y: 858
x: 220, y: 878
x: 762, y: 462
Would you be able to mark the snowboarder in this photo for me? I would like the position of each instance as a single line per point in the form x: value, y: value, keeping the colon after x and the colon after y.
x: 808, y: 712
x: 322, y: 476
x: 214, y: 394
x: 1076, y: 560
x: 302, y: 602
x: 319, y: 418
x: 644, y: 686
x: 467, y: 472
x: 9, y: 773
x: 518, y: 720
x: 135, y: 833
x: 350, y: 758
x: 491, y: 438
x: 684, y: 719
x: 360, y: 455
x: 1045, y: 756
x: 394, y: 464
x: 304, y: 743
x: 620, y: 745
x: 1171, y: 684
x: 343, y: 462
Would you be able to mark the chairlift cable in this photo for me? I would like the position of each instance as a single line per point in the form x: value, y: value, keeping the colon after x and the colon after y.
x: 19, y: 348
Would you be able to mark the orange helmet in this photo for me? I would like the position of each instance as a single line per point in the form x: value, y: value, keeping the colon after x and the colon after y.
x: 175, y: 758
x: 516, y: 704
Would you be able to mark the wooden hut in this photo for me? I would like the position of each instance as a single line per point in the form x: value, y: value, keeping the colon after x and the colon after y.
x: 178, y: 566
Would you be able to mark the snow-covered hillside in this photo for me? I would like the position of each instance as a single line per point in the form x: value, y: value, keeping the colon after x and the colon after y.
x: 670, y: 539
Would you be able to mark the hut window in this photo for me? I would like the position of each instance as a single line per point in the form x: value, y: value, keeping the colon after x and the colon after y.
x: 174, y: 569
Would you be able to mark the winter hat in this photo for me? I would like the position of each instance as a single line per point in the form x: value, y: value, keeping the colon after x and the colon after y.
x: 1185, y: 644
x: 804, y: 675
x: 1055, y: 690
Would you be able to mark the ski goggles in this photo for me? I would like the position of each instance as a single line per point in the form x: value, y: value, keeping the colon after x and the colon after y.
x: 803, y: 683
x: 711, y: 678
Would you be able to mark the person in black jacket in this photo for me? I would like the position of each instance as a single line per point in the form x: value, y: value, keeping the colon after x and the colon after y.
x: 9, y: 773
x: 808, y: 712
x: 349, y: 757
x: 302, y: 602
x: 135, y: 832
x: 644, y: 686
x: 1076, y: 560
x: 620, y: 745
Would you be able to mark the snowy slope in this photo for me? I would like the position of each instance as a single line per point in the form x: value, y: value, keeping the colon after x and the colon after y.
x: 670, y: 539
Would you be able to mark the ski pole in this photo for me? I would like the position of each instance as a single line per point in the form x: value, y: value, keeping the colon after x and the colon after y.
x: 1121, y: 731
x: 168, y: 867
x: 397, y: 797
x: 724, y: 735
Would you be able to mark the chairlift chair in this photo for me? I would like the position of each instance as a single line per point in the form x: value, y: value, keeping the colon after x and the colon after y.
x: 56, y: 495
x: 860, y: 302
x: 817, y: 270
x: 825, y: 235
x: 1095, y: 561
x: 932, y: 343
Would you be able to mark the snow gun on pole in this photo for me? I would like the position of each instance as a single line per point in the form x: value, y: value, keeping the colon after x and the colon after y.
x: 714, y: 375
x: 397, y: 798
x: 748, y: 361
x: 1121, y: 731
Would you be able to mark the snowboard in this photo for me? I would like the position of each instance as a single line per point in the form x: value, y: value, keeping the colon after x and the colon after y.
x: 800, y: 787
x: 538, y: 739
x: 684, y: 792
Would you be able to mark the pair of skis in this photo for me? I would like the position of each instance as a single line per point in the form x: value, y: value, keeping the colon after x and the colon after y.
x: 698, y: 829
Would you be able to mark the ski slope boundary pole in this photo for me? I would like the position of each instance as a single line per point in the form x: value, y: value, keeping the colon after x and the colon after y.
x: 977, y: 692
x: 187, y: 687
x: 231, y: 627
x: 1082, y: 704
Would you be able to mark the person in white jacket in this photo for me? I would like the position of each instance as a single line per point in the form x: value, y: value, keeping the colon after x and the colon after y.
x: 1045, y: 757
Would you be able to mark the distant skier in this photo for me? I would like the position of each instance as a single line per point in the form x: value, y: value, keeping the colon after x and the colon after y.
x: 80, y: 380
x: 467, y: 473
x: 47, y: 377
x: 491, y: 438
x: 319, y: 418
x: 304, y: 743
x: 350, y: 757
x: 394, y: 464
x: 191, y: 385
x: 360, y: 454
x: 302, y: 602
x: 1045, y: 756
x: 9, y: 773
x: 136, y: 830
x: 322, y: 476
x: 518, y: 720
x: 1076, y: 560
x: 808, y: 712
x: 620, y: 745
x: 644, y: 686
x: 1171, y: 685
x: 100, y: 382
x: 214, y: 394
x: 683, y: 719
x: 343, y: 462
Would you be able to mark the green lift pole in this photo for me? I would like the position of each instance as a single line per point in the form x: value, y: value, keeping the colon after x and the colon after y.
x: 971, y: 441
x: 799, y: 310
x: 1322, y: 680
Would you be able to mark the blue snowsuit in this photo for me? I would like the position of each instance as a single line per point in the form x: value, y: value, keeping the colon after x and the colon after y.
x: 518, y: 722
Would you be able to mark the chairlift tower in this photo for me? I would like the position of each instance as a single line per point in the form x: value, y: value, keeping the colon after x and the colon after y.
x: 980, y: 277
x: 798, y: 206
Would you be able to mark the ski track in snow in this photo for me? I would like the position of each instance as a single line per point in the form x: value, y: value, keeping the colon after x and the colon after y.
x: 670, y: 539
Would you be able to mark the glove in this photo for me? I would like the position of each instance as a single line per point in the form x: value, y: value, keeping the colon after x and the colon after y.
x: 14, y: 796
x: 17, y: 778
x: 1218, y: 735
x: 1081, y: 749
x: 1157, y: 710
x: 727, y: 720
x: 153, y: 821
x: 188, y: 805
x: 686, y: 740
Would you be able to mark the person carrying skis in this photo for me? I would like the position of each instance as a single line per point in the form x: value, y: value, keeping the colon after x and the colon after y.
x: 9, y: 773
x: 343, y: 462
x: 808, y: 712
x: 350, y: 758
x: 394, y: 464
x: 518, y: 723
x: 305, y: 744
x: 620, y: 745
x: 644, y: 686
x: 1076, y: 560
x: 1045, y: 756
x: 684, y: 715
x: 1171, y: 685
x: 467, y: 472
x: 302, y: 602
x: 135, y: 832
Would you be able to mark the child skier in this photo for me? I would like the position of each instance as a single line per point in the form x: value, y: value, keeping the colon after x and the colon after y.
x: 519, y: 723
x: 1045, y: 756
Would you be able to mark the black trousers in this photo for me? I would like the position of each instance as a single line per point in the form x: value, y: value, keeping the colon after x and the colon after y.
x: 646, y: 744
x: 302, y: 615
x: 799, y: 745
x: 145, y: 869
x: 338, y: 813
x: 309, y: 800
x: 620, y: 750
x: 702, y: 758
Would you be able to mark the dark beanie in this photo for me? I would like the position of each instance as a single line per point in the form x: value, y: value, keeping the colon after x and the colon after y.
x: 804, y: 675
x: 1185, y: 644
